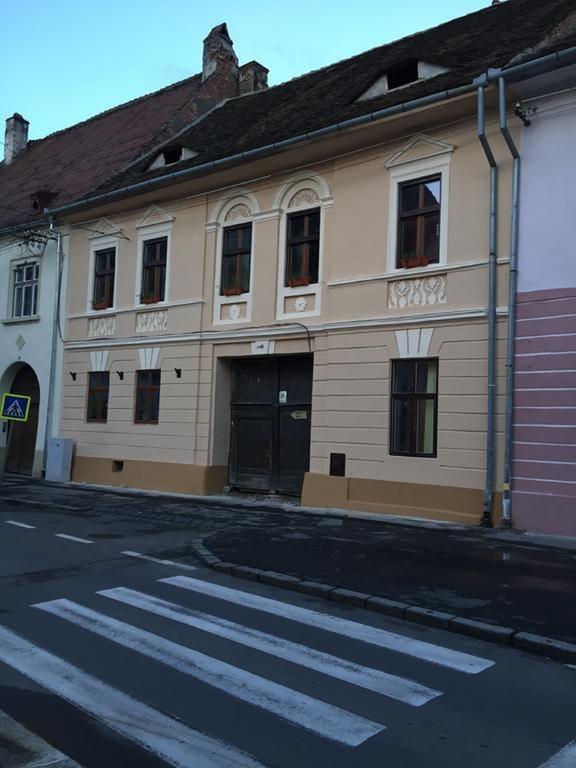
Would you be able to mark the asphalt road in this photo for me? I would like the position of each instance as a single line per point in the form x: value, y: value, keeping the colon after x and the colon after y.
x: 119, y: 661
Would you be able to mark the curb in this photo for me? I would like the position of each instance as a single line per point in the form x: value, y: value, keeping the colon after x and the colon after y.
x: 480, y: 630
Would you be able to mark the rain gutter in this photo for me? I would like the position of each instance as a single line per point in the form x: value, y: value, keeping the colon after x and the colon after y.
x: 512, y: 287
x: 492, y: 238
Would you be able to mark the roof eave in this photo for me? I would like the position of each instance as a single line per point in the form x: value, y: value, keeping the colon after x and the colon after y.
x: 514, y: 73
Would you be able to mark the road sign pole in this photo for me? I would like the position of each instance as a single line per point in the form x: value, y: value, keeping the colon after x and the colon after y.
x: 6, y: 451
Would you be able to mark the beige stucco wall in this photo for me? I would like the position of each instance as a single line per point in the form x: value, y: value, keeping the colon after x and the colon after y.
x: 352, y: 320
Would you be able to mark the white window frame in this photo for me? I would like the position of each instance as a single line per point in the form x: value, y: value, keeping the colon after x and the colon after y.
x: 318, y: 185
x: 16, y: 264
x: 221, y: 224
x: 102, y: 244
x: 151, y: 232
x: 410, y: 171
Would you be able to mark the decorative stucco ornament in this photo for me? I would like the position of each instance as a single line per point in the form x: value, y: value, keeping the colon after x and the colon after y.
x: 417, y: 292
x: 102, y: 326
x: 239, y: 211
x: 234, y: 312
x: 304, y: 197
x: 151, y: 322
x: 300, y: 304
x: 20, y: 342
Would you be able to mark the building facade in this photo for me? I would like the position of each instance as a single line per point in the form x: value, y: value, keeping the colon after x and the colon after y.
x: 275, y: 337
x: 544, y: 479
x: 293, y: 293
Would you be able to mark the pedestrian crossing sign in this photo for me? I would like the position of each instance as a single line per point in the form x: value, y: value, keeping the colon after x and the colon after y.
x: 15, y: 407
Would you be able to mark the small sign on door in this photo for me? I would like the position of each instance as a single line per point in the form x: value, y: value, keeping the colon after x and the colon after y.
x: 283, y: 396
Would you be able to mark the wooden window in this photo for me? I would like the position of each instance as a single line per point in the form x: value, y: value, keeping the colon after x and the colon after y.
x: 98, y: 389
x: 154, y: 270
x: 414, y: 407
x: 236, y: 248
x: 303, y: 248
x: 419, y: 223
x: 104, y: 271
x: 25, y: 290
x: 147, y: 396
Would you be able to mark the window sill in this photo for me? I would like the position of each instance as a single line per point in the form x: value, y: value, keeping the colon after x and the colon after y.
x: 18, y: 320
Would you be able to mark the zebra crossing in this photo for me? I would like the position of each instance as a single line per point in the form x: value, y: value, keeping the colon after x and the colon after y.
x: 174, y: 741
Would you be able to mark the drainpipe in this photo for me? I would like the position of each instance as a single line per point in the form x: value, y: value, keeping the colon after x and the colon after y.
x: 508, y: 426
x: 54, y: 343
x: 486, y: 521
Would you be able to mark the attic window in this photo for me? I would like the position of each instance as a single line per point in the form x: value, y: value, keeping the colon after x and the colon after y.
x: 403, y: 74
x: 172, y: 155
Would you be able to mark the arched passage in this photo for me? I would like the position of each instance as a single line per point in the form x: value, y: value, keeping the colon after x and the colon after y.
x: 20, y: 457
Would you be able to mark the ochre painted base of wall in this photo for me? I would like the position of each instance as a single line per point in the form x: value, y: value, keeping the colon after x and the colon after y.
x: 433, y: 502
x: 151, y: 475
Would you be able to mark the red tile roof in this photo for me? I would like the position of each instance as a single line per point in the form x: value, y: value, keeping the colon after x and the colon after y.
x: 72, y: 162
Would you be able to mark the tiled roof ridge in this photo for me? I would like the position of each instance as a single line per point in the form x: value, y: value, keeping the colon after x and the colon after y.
x: 117, y: 108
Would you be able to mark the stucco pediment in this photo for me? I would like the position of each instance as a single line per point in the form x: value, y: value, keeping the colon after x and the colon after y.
x: 104, y: 228
x: 154, y: 215
x: 418, y: 148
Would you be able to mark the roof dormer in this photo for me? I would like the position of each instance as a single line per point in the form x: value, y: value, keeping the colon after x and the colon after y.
x: 170, y: 155
x: 401, y: 75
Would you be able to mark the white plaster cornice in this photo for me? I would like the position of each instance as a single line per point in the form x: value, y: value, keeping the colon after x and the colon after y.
x: 288, y: 329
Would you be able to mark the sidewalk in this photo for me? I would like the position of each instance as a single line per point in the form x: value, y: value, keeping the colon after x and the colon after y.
x: 526, y: 583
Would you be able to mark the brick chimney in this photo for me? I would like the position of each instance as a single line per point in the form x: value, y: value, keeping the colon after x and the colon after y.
x: 15, y: 138
x: 219, y: 57
x: 252, y: 77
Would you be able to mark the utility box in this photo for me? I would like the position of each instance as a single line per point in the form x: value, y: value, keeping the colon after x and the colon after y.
x: 59, y: 460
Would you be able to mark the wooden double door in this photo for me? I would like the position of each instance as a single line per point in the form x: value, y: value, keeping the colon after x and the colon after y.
x: 271, y: 407
x: 20, y: 458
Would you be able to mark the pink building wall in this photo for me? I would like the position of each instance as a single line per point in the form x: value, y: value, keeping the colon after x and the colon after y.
x: 544, y: 453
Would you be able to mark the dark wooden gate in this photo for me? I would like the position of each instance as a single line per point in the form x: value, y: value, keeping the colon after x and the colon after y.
x: 20, y: 458
x: 270, y: 423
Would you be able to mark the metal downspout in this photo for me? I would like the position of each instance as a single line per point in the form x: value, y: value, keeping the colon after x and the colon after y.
x: 488, y: 502
x: 54, y: 343
x: 513, y: 279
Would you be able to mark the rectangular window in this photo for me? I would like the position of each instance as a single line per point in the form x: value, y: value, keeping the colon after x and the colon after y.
x: 104, y: 270
x: 236, y: 248
x: 25, y: 290
x: 303, y: 248
x: 98, y: 388
x: 414, y: 408
x: 154, y: 270
x: 147, y: 397
x: 418, y: 223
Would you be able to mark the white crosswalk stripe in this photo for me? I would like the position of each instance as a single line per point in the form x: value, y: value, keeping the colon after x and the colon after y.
x: 164, y: 737
x: 462, y: 662
x: 566, y: 758
x: 317, y: 716
x: 174, y: 741
x: 395, y: 687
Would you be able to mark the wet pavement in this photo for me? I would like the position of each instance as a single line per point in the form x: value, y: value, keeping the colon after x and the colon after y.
x: 507, y: 580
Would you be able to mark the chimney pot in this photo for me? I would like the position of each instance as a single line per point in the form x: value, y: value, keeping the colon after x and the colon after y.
x: 219, y: 56
x: 252, y: 77
x: 15, y: 137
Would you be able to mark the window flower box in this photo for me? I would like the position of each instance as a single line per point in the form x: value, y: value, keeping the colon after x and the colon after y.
x: 149, y: 298
x: 298, y: 282
x: 232, y: 291
x: 103, y: 304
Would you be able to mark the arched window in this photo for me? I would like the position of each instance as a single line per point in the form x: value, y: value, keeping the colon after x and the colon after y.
x: 301, y: 205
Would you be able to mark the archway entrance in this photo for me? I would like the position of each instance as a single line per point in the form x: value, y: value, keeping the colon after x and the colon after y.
x: 20, y: 458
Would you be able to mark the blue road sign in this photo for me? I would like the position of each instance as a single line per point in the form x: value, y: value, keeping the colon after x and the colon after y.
x: 15, y: 407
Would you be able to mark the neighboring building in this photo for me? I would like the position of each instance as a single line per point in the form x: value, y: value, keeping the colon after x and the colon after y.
x: 54, y: 171
x: 544, y: 477
x: 300, y: 302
